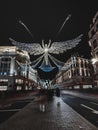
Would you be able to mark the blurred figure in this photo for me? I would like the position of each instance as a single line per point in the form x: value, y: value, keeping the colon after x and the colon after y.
x: 57, y: 92
x: 43, y: 99
x: 58, y: 95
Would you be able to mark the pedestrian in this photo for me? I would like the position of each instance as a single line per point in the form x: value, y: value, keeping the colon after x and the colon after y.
x: 58, y: 95
x: 57, y: 92
x: 42, y: 100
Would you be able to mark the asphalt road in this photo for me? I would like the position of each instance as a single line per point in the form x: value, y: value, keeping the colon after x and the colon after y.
x: 86, y: 107
x: 11, y: 109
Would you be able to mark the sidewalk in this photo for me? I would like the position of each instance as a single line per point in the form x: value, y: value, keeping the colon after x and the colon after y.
x: 8, y: 101
x: 55, y: 117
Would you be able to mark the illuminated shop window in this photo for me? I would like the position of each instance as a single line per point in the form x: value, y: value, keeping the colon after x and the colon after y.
x: 5, y: 66
x: 19, y: 81
x: 19, y: 88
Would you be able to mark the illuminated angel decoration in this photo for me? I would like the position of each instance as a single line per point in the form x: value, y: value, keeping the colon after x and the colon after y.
x: 45, y: 50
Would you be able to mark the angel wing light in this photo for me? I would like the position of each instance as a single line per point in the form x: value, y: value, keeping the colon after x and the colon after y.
x: 45, y: 50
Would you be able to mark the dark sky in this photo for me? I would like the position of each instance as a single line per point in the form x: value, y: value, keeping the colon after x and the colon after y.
x: 44, y: 19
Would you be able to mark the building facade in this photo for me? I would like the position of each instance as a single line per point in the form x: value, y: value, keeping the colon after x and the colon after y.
x: 76, y: 74
x: 15, y: 70
x: 93, y: 43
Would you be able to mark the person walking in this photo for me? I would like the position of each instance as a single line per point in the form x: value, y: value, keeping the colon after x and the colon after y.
x: 57, y: 92
x: 58, y: 95
x: 42, y: 100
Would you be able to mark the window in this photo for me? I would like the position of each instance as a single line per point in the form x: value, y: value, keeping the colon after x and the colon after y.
x: 97, y: 27
x: 82, y: 64
x: 82, y: 72
x: 6, y: 59
x: 97, y: 53
x: 94, y: 44
x: 5, y: 66
x: 77, y: 64
x: 86, y: 73
x: 86, y: 64
x: 75, y: 72
x: 92, y: 32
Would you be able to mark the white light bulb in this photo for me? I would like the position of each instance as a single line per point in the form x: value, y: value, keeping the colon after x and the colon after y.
x: 46, y: 49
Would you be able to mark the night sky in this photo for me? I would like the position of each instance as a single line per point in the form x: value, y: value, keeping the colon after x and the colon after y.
x: 44, y: 19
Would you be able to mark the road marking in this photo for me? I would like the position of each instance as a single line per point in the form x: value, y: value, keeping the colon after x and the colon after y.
x: 10, y: 110
x: 93, y: 111
x: 94, y: 103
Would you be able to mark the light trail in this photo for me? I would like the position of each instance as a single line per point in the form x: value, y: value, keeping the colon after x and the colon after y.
x: 26, y: 28
x: 63, y: 24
